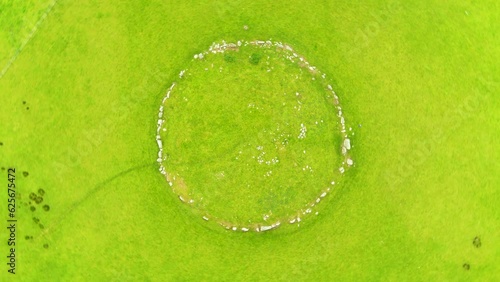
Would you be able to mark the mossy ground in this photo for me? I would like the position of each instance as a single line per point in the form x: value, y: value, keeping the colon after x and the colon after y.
x: 420, y: 77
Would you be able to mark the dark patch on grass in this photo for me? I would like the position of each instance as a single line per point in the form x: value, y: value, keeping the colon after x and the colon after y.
x: 33, y: 196
x: 46, y: 246
x: 46, y: 207
x: 1, y: 143
x: 466, y: 266
x: 32, y: 208
x: 229, y: 58
x: 41, y: 226
x: 25, y: 173
x: 255, y: 58
x: 36, y: 220
x: 24, y: 102
x: 38, y: 200
x: 477, y: 242
x: 41, y: 192
x: 27, y: 108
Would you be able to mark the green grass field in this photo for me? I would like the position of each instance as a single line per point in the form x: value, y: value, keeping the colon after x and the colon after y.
x: 80, y: 88
x: 252, y: 135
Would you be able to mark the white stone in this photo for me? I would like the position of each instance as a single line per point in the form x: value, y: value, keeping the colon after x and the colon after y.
x: 265, y: 228
x: 349, y: 162
x: 347, y: 143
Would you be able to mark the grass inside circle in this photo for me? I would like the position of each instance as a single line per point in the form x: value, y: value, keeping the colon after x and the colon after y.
x: 250, y: 136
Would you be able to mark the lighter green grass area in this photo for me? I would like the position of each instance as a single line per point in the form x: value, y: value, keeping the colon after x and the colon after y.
x: 17, y: 19
x: 245, y: 140
x: 412, y: 73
